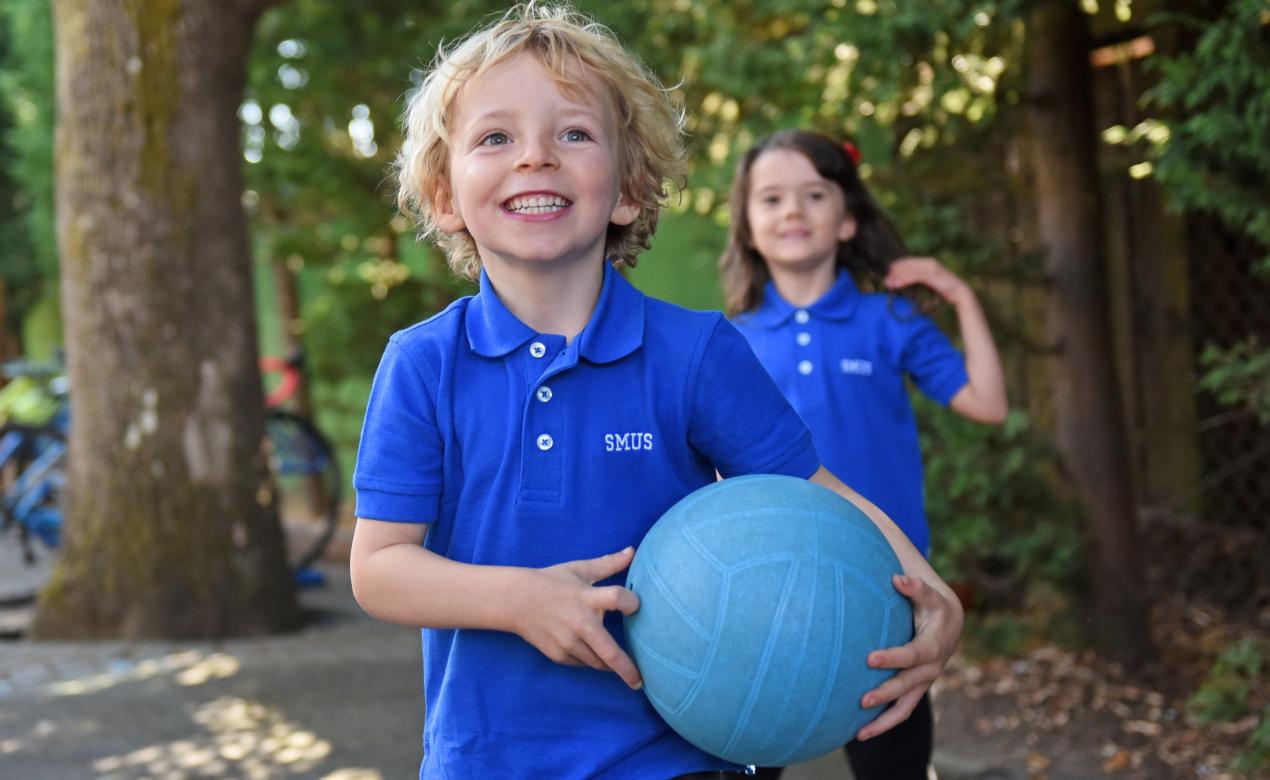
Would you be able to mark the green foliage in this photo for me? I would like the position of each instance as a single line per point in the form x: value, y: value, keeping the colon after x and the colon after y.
x: 327, y: 82
x: 1235, y: 688
x: 26, y: 400
x: 28, y: 245
x: 1239, y: 376
x: 998, y: 523
x: 1216, y: 97
x: 1255, y: 756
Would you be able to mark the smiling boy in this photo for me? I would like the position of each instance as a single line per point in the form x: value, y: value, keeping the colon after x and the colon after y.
x: 491, y: 493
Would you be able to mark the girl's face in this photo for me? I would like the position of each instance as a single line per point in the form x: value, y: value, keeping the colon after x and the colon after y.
x: 797, y: 217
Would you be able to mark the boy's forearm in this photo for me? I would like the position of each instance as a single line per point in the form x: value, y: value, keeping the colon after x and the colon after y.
x: 408, y: 584
x: 911, y: 559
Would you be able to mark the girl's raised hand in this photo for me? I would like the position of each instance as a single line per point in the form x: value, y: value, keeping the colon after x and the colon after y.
x: 907, y: 271
x: 563, y: 614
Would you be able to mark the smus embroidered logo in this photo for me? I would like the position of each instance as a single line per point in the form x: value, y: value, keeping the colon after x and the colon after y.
x: 856, y: 367
x: 627, y: 442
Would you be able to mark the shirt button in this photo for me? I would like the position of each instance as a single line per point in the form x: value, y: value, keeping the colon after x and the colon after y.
x: 544, y: 394
x: 803, y: 339
x: 804, y: 367
x: 545, y: 442
x: 801, y: 316
x: 537, y: 349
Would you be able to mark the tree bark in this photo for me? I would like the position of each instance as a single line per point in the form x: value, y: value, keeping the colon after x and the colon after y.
x: 170, y: 529
x: 1089, y: 420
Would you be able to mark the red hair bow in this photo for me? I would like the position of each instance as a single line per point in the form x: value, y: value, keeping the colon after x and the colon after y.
x: 852, y: 151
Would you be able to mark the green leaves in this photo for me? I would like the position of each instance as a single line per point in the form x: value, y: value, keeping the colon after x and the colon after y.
x: 1216, y: 98
x: 1239, y: 376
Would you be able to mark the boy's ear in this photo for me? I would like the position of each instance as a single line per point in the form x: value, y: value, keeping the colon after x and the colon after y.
x: 846, y: 231
x: 625, y: 212
x: 444, y: 212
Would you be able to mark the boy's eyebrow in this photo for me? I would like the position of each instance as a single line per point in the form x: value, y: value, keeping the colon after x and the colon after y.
x: 571, y: 111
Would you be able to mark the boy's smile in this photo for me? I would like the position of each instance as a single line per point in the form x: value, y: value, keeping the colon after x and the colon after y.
x: 534, y: 172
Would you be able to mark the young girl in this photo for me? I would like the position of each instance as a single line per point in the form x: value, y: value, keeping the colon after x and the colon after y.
x: 806, y: 240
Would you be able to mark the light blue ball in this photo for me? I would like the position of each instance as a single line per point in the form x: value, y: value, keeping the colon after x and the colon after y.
x: 760, y: 600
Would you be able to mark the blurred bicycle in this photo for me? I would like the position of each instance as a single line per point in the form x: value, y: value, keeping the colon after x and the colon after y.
x: 34, y: 423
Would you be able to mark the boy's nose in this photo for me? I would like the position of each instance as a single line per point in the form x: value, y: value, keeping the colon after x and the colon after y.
x: 535, y: 155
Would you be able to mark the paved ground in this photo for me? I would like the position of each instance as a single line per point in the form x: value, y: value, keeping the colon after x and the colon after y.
x: 338, y: 701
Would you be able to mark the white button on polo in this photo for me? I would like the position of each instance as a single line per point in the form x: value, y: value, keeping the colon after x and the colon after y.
x: 804, y: 367
x: 544, y: 394
x: 801, y: 316
x: 545, y: 442
x: 803, y: 339
x: 537, y: 349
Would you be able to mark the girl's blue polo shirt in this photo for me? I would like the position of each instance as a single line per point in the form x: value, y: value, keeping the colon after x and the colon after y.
x: 520, y: 449
x: 842, y: 363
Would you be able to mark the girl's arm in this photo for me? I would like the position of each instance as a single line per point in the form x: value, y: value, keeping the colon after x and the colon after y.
x: 983, y: 398
x: 555, y: 609
x: 937, y: 621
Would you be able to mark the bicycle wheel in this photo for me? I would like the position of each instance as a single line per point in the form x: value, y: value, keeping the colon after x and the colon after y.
x: 32, y: 480
x: 307, y: 484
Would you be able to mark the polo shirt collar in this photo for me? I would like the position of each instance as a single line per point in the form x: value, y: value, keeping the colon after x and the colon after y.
x: 615, y: 330
x: 839, y: 303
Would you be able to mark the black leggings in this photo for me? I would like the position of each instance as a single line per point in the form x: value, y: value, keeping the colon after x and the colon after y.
x: 899, y: 754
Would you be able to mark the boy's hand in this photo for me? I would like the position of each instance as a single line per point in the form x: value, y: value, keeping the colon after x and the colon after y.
x: 564, y: 614
x: 908, y: 271
x: 938, y: 627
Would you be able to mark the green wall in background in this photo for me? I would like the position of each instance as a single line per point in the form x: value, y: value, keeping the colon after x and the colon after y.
x: 680, y: 266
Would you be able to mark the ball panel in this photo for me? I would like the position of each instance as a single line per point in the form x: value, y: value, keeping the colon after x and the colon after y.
x: 807, y: 653
x: 745, y: 536
x: 666, y: 636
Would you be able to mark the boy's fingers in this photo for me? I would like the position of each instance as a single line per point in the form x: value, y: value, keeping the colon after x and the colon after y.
x: 916, y: 590
x: 917, y: 678
x: 605, y: 566
x: 582, y: 656
x: 921, y: 650
x: 893, y: 716
x: 616, y: 598
x: 614, y: 658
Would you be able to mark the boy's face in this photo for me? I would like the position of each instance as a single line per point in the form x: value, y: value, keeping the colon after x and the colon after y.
x: 796, y: 216
x: 534, y: 174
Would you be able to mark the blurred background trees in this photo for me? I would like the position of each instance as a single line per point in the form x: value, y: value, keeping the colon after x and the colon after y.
x: 1168, y: 119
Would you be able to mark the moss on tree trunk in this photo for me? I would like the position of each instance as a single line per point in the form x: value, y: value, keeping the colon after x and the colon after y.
x: 170, y: 530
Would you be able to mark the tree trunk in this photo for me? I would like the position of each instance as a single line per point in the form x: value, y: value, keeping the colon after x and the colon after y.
x: 1089, y: 420
x: 169, y: 526
x: 1151, y: 298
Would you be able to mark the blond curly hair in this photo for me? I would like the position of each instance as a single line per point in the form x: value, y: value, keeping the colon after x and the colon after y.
x: 578, y: 52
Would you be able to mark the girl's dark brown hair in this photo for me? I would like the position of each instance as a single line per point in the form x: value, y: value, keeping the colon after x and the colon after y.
x: 867, y: 256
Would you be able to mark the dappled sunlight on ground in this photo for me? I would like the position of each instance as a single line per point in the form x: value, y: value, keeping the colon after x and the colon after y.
x: 244, y: 739
x: 189, y: 667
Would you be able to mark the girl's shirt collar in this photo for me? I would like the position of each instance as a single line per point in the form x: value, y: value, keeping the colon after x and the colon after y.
x: 839, y: 303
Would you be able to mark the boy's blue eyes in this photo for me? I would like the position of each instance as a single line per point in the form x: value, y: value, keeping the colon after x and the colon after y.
x: 575, y: 135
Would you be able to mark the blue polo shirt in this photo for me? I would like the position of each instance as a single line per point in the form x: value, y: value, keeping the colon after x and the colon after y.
x: 842, y: 363
x: 518, y: 448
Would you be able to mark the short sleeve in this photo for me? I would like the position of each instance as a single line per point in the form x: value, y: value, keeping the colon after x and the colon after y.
x: 935, y: 365
x: 399, y: 459
x: 740, y: 421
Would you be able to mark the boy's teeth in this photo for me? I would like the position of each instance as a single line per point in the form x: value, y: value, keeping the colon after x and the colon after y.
x: 537, y: 204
